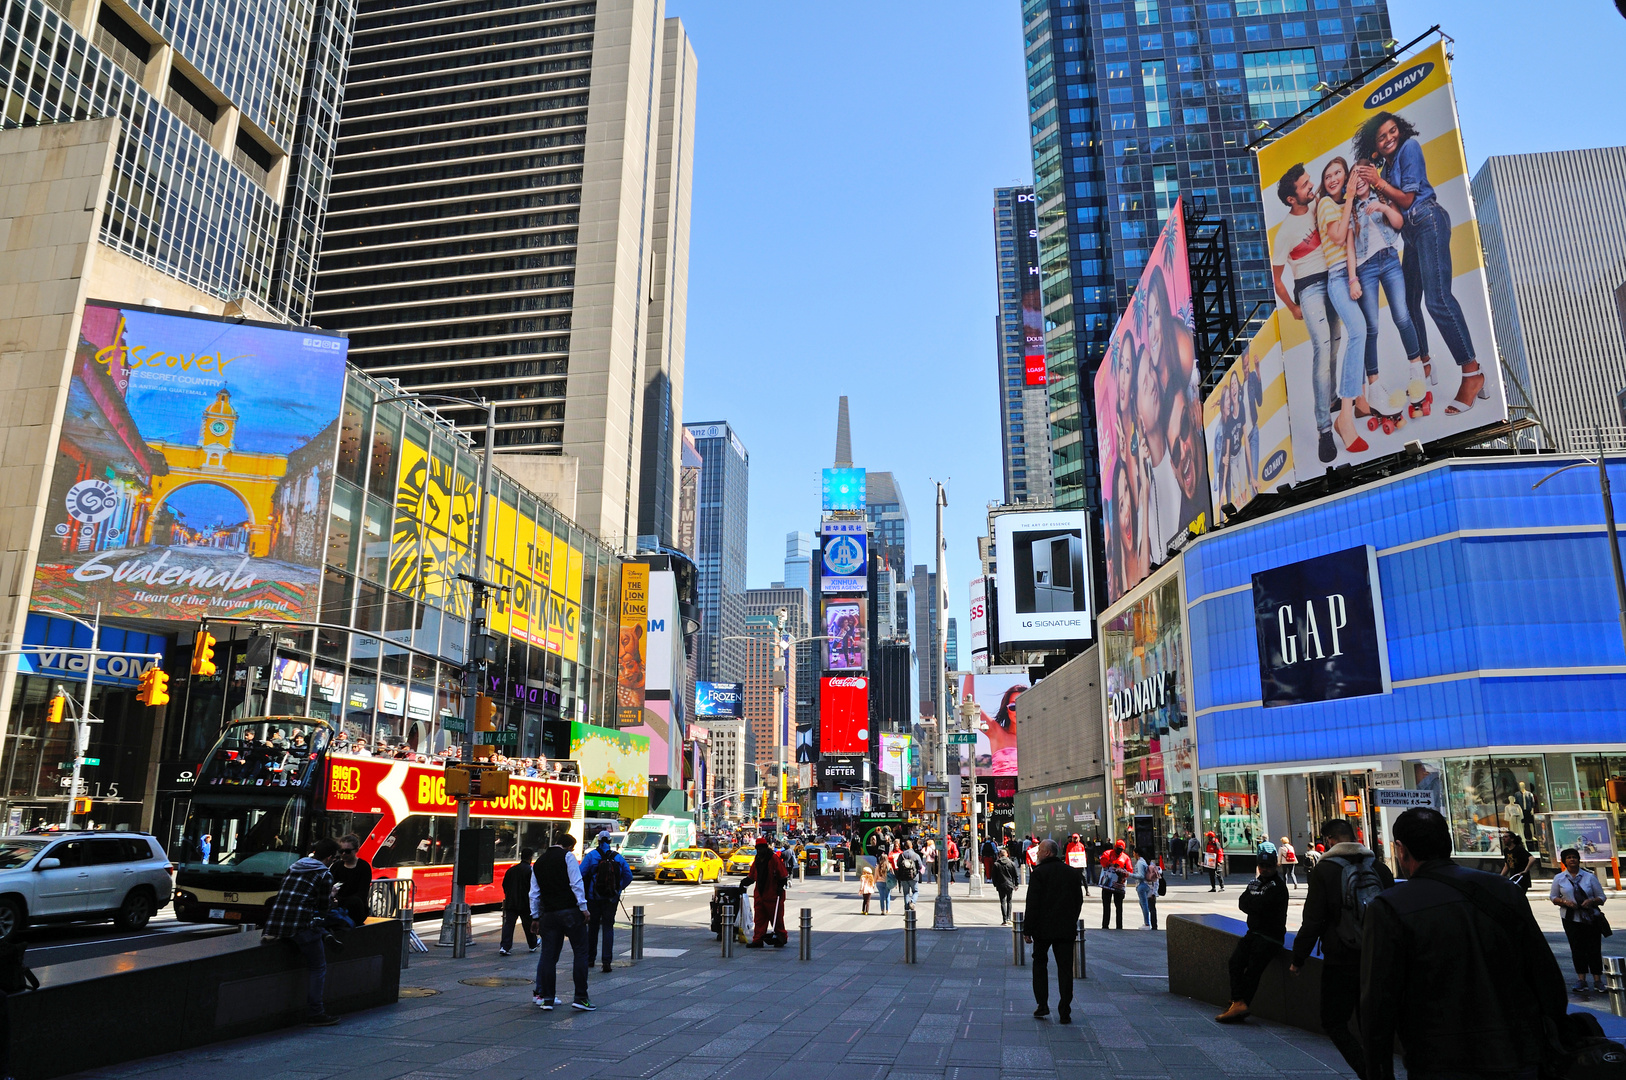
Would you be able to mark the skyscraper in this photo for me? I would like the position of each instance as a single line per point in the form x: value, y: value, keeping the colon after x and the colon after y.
x: 886, y: 509
x: 1132, y: 104
x: 720, y: 543
x: 1024, y: 428
x: 509, y: 219
x: 799, y: 560
x: 1554, y: 235
x: 924, y: 587
x: 953, y: 659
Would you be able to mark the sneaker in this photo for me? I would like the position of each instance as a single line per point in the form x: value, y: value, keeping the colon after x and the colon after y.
x: 535, y: 947
x: 583, y: 1005
x: 324, y: 1020
x: 502, y: 952
x: 545, y: 1004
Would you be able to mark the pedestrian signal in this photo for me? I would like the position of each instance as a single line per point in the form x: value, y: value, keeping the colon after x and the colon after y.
x: 54, y: 711
x: 485, y: 713
x: 203, y: 654
x: 914, y: 799
x: 81, y: 806
x: 154, y: 687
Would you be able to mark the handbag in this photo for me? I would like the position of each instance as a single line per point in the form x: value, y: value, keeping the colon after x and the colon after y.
x: 1162, y: 885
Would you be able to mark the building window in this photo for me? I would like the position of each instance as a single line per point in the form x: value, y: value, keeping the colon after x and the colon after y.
x: 1280, y: 82
x: 1293, y: 30
x: 1151, y: 42
x: 1220, y: 11
x: 1146, y: 12
x: 1185, y: 39
x: 1123, y: 121
x: 1166, y: 189
x: 1259, y: 33
x: 1224, y: 61
x: 1115, y: 44
x: 1112, y: 20
x: 1268, y: 7
x: 1330, y: 27
x: 1335, y: 52
x: 1153, y: 79
x: 1221, y: 35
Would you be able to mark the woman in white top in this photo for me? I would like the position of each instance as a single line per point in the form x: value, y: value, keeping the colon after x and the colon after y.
x: 1289, y: 862
x: 1577, y: 891
x: 1145, y: 876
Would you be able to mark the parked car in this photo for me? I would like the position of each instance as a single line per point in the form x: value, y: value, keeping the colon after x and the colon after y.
x: 81, y: 877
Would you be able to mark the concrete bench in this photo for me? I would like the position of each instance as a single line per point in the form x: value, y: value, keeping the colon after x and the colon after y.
x: 1199, y: 949
x: 156, y: 1001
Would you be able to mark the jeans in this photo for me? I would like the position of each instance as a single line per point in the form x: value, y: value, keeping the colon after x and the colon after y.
x: 1313, y: 304
x: 1340, y: 999
x: 1063, y: 951
x: 556, y: 927
x: 884, y: 892
x: 1249, y: 960
x: 1385, y: 267
x: 1427, y: 266
x: 1352, y: 356
x: 1107, y: 899
x: 600, y: 919
x: 511, y: 915
x: 314, y: 952
x: 911, y: 890
x: 1147, y: 895
x: 1004, y: 907
x: 1586, y: 948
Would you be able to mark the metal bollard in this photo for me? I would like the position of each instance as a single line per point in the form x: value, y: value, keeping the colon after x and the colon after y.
x: 801, y: 866
x: 637, y: 932
x: 909, y: 956
x: 1614, y: 972
x: 806, y: 943
x: 406, y: 936
x: 1078, y: 954
x: 1019, y: 953
x: 729, y: 922
x: 842, y: 863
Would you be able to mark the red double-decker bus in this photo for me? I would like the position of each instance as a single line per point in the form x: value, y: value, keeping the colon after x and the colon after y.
x: 269, y: 789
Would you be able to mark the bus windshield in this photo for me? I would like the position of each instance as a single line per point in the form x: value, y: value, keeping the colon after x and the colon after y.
x: 264, y: 836
x: 271, y: 751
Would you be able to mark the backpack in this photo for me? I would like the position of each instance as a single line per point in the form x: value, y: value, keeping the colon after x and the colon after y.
x: 904, y: 870
x: 1358, y: 884
x: 606, y: 877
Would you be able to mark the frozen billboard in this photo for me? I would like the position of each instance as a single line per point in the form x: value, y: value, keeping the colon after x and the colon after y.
x: 1382, y: 305
x: 194, y: 470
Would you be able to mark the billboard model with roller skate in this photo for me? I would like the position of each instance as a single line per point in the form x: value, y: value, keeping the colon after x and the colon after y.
x: 1383, y: 321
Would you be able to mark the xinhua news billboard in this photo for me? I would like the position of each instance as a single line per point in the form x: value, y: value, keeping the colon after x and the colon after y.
x: 1043, y: 580
x: 844, y: 714
x: 194, y: 470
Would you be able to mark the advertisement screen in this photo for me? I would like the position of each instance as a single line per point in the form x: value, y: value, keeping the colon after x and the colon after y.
x: 718, y: 699
x: 1320, y: 627
x: 846, y: 628
x: 1043, y: 577
x: 194, y: 471
x: 995, y: 696
x: 289, y: 676
x: 1380, y: 282
x: 1027, y: 254
x: 979, y: 622
x: 845, y: 557
x: 1250, y: 444
x: 612, y: 762
x: 1150, y: 417
x: 897, y: 758
x: 844, y: 489
x: 634, y: 643
x: 844, y: 715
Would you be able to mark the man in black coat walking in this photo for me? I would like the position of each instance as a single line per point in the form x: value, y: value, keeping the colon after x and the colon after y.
x: 516, y: 903
x: 1003, y: 874
x: 1055, y: 897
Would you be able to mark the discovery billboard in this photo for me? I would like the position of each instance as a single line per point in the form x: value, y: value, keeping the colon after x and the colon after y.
x: 194, y: 470
x: 1043, y: 580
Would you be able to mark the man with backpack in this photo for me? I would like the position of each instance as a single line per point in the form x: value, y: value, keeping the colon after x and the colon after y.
x: 1340, y: 887
x: 606, y: 875
x: 1455, y: 968
x: 908, y: 869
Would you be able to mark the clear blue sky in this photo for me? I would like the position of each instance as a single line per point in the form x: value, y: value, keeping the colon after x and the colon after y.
x: 842, y: 243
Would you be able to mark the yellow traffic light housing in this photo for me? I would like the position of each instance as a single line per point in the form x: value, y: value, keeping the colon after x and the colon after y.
x: 54, y: 711
x: 485, y: 713
x: 457, y: 780
x: 474, y: 781
x: 493, y: 783
x: 154, y: 687
x: 203, y: 654
x: 81, y: 806
x: 914, y: 799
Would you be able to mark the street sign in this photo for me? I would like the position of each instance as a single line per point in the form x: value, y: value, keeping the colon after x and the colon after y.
x: 937, y: 789
x: 503, y: 738
x: 93, y: 761
x: 611, y: 803
x: 966, y: 738
x: 454, y: 724
x: 1399, y: 799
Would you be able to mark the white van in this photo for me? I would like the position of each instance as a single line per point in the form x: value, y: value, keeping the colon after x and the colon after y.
x: 652, y: 838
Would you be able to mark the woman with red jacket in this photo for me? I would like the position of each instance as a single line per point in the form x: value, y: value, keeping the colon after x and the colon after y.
x: 1214, y: 854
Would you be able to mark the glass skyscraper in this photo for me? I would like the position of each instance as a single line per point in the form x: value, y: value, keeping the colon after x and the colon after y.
x: 1024, y: 433
x: 720, y: 545
x: 1132, y: 105
x: 228, y: 111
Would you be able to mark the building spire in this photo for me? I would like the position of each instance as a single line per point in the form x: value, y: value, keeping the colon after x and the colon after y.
x: 844, y: 437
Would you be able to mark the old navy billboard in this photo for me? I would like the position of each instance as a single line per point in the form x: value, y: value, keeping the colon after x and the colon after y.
x: 194, y: 470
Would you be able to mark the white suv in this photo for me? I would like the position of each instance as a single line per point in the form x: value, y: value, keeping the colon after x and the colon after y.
x: 81, y: 877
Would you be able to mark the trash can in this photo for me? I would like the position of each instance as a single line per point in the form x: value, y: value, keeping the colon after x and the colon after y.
x: 736, y: 893
x: 814, y: 858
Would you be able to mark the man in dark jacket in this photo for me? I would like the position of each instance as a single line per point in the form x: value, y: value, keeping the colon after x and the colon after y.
x: 516, y: 902
x: 1265, y: 903
x: 1003, y: 875
x: 1454, y: 966
x: 1325, y: 921
x: 1055, y: 897
x: 769, y: 875
x: 559, y: 911
x: 605, y: 876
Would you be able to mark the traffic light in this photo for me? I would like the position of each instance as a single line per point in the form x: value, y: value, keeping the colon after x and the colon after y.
x: 477, y: 781
x: 203, y: 654
x: 81, y: 806
x: 154, y: 687
x: 485, y: 713
x: 914, y: 799
x: 965, y: 804
x: 58, y: 703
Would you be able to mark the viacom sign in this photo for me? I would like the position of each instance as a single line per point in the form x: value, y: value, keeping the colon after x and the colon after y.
x: 115, y: 669
x: 1320, y: 628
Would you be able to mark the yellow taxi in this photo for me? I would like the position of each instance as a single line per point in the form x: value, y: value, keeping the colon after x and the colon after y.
x: 740, y: 861
x: 694, y: 865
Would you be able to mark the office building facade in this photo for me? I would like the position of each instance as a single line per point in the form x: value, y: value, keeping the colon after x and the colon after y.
x: 512, y: 223
x: 1132, y: 105
x: 1553, y: 227
x: 798, y: 605
x: 886, y: 510
x: 924, y: 587
x: 799, y: 560
x: 720, y: 521
x: 1024, y: 427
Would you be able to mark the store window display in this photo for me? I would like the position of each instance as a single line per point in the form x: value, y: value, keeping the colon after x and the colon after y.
x: 1231, y: 810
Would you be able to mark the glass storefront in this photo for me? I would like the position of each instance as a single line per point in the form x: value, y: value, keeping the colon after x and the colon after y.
x: 1231, y: 810
x: 1153, y: 751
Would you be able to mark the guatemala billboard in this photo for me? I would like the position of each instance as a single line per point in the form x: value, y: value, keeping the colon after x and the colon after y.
x: 194, y: 470
x: 1150, y: 419
x: 1381, y: 297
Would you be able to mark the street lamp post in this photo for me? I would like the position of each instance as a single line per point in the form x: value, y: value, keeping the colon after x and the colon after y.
x: 456, y: 918
x: 943, y: 910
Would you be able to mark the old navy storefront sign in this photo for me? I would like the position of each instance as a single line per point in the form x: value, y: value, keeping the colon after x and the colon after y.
x: 1320, y: 629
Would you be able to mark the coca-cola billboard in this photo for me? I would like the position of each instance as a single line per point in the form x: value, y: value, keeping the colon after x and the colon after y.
x: 844, y: 714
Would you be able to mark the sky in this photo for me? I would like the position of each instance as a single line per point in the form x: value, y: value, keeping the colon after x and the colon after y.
x: 842, y: 230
